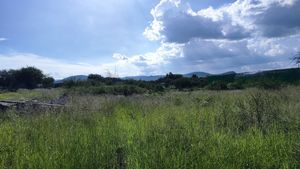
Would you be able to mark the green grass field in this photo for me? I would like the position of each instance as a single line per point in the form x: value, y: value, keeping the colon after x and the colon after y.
x: 23, y: 94
x: 188, y: 130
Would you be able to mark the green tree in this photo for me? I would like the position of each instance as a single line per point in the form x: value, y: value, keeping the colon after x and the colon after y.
x: 48, y: 82
x: 29, y: 77
x: 4, y: 76
x: 95, y: 77
x: 194, y: 76
x: 182, y: 83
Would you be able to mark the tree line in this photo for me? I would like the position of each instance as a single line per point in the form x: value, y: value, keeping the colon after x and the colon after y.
x: 28, y: 78
x: 31, y: 77
x: 96, y: 84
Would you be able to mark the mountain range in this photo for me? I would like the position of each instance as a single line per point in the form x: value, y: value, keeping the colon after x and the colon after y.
x: 289, y: 71
x: 144, y: 78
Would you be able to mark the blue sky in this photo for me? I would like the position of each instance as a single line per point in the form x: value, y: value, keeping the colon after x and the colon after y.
x: 146, y: 37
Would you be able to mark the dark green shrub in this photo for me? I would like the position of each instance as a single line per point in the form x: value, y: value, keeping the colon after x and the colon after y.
x: 270, y: 84
x: 178, y: 101
x: 259, y: 109
x: 48, y: 82
x: 125, y: 90
x: 182, y: 83
x: 95, y: 77
x: 234, y: 86
x: 217, y: 85
x: 159, y: 88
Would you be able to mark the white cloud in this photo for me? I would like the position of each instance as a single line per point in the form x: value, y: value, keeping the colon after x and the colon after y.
x: 119, y: 56
x: 153, y: 31
x: 3, y: 39
x: 177, y: 22
x: 56, y: 68
x: 150, y: 63
x: 60, y: 69
x: 243, y: 35
x: 160, y: 56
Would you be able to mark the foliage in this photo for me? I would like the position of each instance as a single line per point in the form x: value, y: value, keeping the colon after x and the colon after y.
x: 47, y: 82
x: 234, y: 86
x: 29, y: 78
x: 125, y: 90
x: 25, y: 94
x: 202, y: 129
x: 95, y: 77
x: 217, y: 85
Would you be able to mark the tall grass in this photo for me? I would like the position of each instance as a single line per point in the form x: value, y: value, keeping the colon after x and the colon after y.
x: 201, y: 129
x: 25, y: 94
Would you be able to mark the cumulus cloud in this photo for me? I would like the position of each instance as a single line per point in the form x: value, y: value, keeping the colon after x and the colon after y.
x: 175, y: 21
x: 60, y: 69
x: 149, y: 63
x: 256, y: 53
x: 279, y: 20
x: 245, y: 35
x: 56, y: 68
x: 220, y: 56
x: 240, y: 36
x: 119, y: 56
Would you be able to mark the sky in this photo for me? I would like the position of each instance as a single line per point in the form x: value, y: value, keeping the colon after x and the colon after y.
x: 148, y: 37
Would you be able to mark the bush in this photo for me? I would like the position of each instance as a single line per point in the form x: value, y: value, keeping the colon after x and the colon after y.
x: 182, y: 83
x: 95, y: 77
x: 270, y: 84
x: 159, y: 88
x: 48, y: 82
x: 125, y: 90
x: 217, y: 85
x: 259, y: 109
x: 29, y: 78
x: 234, y: 86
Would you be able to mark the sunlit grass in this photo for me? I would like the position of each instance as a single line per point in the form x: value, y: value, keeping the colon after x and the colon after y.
x: 201, y: 129
x: 24, y: 94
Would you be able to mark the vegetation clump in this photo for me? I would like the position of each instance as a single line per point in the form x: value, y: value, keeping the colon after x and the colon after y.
x: 252, y: 128
x: 173, y: 122
x: 270, y: 80
x: 27, y: 78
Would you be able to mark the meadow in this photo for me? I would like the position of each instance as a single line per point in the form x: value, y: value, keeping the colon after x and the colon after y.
x: 251, y: 128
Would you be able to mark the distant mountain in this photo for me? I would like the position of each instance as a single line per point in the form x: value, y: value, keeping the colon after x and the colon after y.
x: 199, y: 74
x: 77, y: 78
x: 153, y: 78
x: 229, y: 73
x: 289, y: 76
x: 73, y: 78
x: 143, y: 78
x: 248, y: 73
